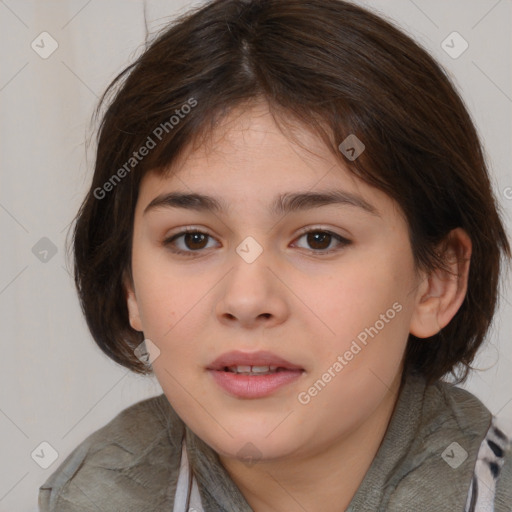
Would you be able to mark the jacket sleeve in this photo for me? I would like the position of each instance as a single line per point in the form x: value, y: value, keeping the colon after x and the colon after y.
x: 130, y: 465
x: 50, y: 491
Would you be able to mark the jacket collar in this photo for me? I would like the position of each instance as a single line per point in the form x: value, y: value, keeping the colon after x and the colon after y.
x: 427, y: 456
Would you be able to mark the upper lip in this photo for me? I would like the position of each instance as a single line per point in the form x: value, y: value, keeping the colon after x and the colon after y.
x: 239, y: 358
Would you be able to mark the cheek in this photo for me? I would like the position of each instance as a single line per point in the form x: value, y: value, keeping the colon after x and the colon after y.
x: 367, y: 310
x: 156, y: 302
x: 355, y: 368
x: 174, y: 310
x: 163, y: 294
x: 359, y: 294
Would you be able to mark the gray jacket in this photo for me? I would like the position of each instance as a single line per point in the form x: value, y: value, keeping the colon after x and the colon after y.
x: 132, y: 463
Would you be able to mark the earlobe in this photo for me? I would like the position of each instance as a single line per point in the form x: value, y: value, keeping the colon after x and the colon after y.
x: 133, y: 307
x: 441, y: 294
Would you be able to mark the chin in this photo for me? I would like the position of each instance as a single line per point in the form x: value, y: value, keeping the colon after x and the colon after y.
x: 251, y: 444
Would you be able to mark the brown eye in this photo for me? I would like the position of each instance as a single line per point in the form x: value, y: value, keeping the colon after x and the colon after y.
x: 194, y: 241
x: 187, y: 242
x: 320, y: 240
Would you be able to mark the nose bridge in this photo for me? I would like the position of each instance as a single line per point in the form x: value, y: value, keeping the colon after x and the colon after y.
x: 251, y: 290
x: 251, y: 262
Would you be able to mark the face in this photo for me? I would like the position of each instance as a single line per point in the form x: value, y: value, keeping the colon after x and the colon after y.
x: 323, y: 290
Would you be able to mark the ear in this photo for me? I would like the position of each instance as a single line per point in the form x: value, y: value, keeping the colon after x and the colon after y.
x: 441, y: 293
x: 131, y: 302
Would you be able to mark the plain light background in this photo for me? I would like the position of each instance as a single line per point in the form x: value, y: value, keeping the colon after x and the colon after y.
x: 55, y: 384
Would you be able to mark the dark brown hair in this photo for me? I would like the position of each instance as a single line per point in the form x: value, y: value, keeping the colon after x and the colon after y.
x: 334, y: 68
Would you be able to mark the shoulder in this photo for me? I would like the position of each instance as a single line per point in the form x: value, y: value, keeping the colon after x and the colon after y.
x: 491, y: 484
x: 455, y: 409
x: 130, y: 462
x: 457, y: 398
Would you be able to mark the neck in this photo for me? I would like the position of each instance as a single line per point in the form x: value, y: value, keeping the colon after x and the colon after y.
x: 325, y: 480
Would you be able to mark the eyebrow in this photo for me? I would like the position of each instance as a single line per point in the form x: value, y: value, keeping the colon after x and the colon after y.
x: 284, y: 203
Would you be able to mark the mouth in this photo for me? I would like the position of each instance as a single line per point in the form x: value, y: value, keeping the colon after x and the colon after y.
x: 253, y: 375
x: 254, y: 370
x: 251, y: 362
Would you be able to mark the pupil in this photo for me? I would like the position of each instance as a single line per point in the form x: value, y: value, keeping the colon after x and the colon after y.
x: 315, y: 236
x: 316, y: 240
x: 194, y: 237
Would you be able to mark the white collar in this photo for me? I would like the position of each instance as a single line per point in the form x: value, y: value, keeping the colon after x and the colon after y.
x: 187, y: 497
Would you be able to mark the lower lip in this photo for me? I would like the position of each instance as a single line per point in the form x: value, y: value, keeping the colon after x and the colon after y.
x: 253, y: 386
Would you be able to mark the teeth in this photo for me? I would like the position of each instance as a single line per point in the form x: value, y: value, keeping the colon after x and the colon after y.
x: 260, y: 369
x: 242, y: 369
x: 253, y: 370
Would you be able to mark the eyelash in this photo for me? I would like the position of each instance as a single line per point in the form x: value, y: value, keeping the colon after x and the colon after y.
x: 170, y: 240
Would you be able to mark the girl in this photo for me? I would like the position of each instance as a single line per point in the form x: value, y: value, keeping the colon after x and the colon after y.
x: 291, y: 224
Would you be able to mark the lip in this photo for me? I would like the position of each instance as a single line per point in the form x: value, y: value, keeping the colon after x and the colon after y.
x: 252, y: 386
x: 261, y: 358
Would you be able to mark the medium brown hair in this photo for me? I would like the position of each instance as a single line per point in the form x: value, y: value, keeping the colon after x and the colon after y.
x: 335, y: 68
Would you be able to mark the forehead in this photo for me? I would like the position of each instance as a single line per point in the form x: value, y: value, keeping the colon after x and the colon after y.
x: 249, y: 142
x: 248, y: 158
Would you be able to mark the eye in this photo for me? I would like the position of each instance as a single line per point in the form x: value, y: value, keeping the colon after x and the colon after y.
x: 319, y: 240
x: 193, y: 240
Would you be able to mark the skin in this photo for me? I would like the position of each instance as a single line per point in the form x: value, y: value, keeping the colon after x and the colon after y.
x: 303, y: 306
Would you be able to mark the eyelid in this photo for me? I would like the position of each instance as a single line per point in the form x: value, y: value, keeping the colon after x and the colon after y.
x: 183, y: 231
x: 307, y: 229
x: 314, y: 228
x: 342, y: 241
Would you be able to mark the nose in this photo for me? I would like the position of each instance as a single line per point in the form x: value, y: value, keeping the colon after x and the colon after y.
x: 252, y: 295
